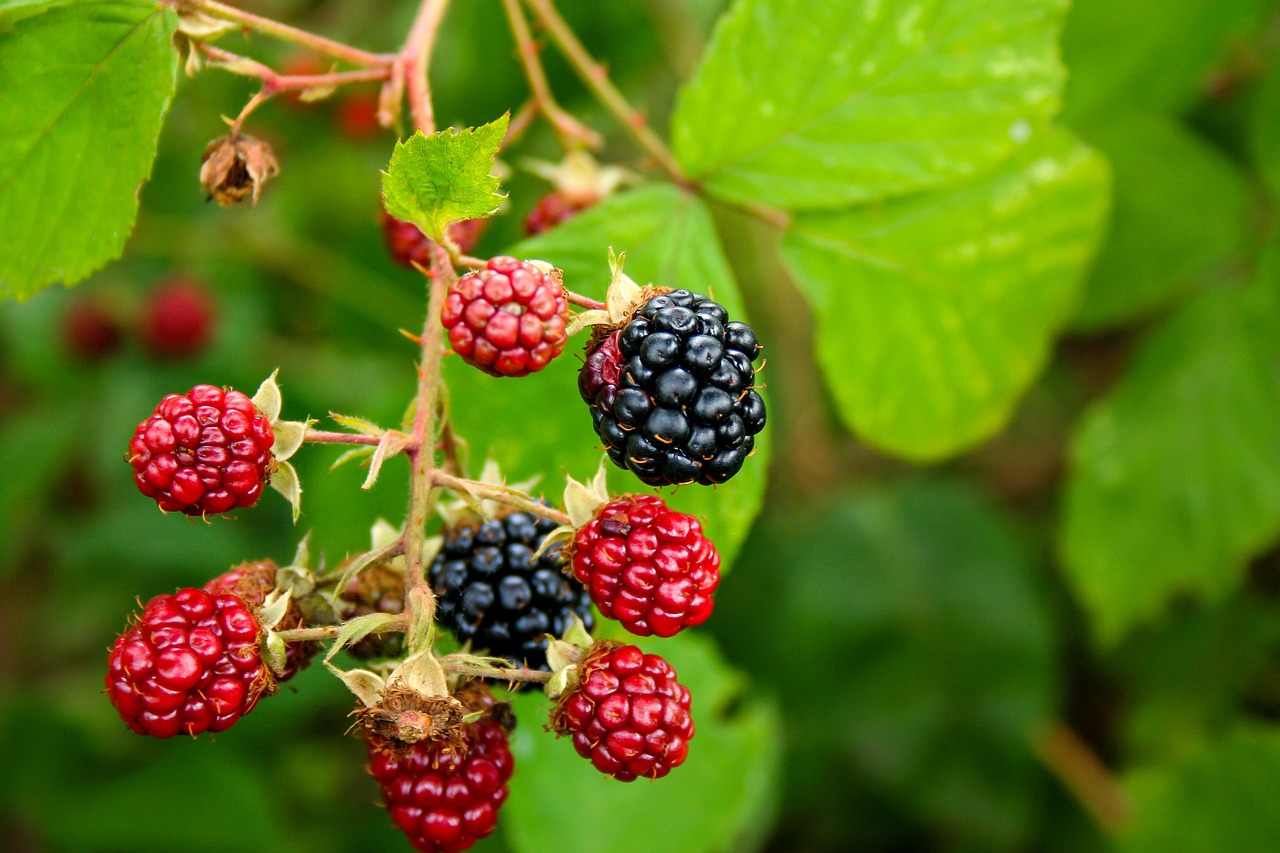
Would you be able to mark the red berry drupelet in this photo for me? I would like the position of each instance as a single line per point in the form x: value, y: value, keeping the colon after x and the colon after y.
x: 628, y: 714
x: 189, y: 664
x: 672, y: 392
x: 253, y: 581
x: 647, y: 566
x: 408, y: 245
x: 509, y: 319
x: 444, y: 795
x: 203, y: 453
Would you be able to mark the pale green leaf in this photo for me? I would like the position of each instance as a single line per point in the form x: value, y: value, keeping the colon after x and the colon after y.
x: 83, y: 88
x: 721, y: 798
x: 1175, y: 477
x: 934, y: 313
x: 819, y: 105
x: 539, y: 425
x: 1154, y: 250
x: 438, y: 179
x: 1220, y: 798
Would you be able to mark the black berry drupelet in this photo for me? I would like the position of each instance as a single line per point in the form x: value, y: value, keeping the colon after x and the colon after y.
x: 672, y: 391
x: 490, y: 589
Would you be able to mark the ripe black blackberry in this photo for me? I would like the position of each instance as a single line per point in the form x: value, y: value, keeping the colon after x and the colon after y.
x: 672, y: 391
x: 491, y: 591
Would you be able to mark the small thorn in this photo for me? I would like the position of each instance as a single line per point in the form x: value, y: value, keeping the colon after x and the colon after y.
x: 411, y: 336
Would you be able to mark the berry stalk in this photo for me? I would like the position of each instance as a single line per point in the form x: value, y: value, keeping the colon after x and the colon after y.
x: 498, y: 494
x: 284, y: 32
x: 415, y: 59
x: 274, y: 83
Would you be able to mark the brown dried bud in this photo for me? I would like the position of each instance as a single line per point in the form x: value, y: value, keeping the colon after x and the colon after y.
x: 235, y: 166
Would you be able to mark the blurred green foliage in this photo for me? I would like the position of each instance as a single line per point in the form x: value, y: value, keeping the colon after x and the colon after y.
x: 1064, y: 639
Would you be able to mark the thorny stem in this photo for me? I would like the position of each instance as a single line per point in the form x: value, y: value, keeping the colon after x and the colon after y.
x: 584, y: 301
x: 495, y: 672
x: 498, y: 493
x: 416, y: 58
x: 273, y: 83
x: 284, y: 32
x: 315, y: 436
x: 597, y: 80
x: 1084, y: 775
x: 571, y: 132
x: 303, y: 635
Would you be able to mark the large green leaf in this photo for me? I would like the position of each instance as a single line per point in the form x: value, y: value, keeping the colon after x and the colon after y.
x: 1148, y: 55
x: 720, y: 799
x: 1154, y: 250
x: 83, y: 91
x: 1221, y: 798
x: 912, y: 647
x: 1265, y: 130
x: 820, y: 105
x: 1175, y: 479
x: 539, y: 424
x: 437, y: 179
x: 935, y: 312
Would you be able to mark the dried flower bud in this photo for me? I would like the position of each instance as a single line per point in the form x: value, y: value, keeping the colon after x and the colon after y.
x: 236, y: 165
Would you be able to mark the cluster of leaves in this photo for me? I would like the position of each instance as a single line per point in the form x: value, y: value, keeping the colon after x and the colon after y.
x: 942, y: 225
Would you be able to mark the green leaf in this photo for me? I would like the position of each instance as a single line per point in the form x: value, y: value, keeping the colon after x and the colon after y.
x: 912, y: 646
x: 721, y: 798
x: 1148, y: 55
x: 818, y: 105
x: 1264, y: 132
x: 434, y: 181
x: 1154, y: 249
x: 539, y: 424
x: 935, y: 312
x: 12, y: 11
x: 1221, y: 798
x: 84, y: 88
x: 1175, y: 477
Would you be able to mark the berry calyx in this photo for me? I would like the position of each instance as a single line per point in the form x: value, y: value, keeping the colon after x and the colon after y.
x: 509, y: 319
x: 492, y: 593
x: 672, y: 391
x: 178, y: 319
x: 444, y: 794
x: 253, y: 581
x: 647, y: 566
x: 190, y: 663
x: 203, y: 453
x: 407, y: 244
x: 627, y: 714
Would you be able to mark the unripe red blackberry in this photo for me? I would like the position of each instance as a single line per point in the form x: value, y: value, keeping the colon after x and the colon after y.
x: 492, y: 592
x: 203, y: 452
x: 253, y: 581
x: 189, y: 664
x: 178, y: 319
x: 90, y: 330
x: 357, y: 116
x: 627, y: 714
x: 509, y: 319
x: 378, y: 589
x: 554, y: 208
x: 408, y: 245
x: 672, y: 391
x: 444, y: 794
x: 647, y: 566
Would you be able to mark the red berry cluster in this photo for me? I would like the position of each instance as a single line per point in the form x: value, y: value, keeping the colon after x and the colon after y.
x: 647, y: 566
x: 203, y: 453
x: 408, y: 245
x: 629, y: 715
x: 189, y: 664
x: 508, y: 319
x: 445, y: 795
x: 176, y: 321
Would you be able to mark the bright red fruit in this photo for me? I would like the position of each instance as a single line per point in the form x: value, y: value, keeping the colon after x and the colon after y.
x: 189, y: 664
x: 508, y: 319
x: 647, y: 566
x: 628, y: 714
x: 178, y: 320
x: 203, y: 452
